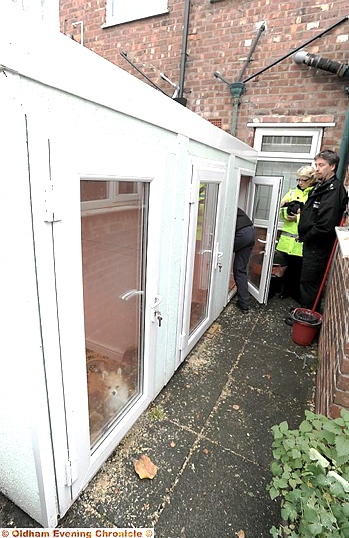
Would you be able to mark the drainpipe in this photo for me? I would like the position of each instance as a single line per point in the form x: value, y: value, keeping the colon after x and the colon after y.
x: 341, y: 70
x: 180, y: 97
x: 344, y: 148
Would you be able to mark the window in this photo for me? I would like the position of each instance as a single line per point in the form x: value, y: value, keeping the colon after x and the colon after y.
x: 119, y: 11
x: 282, y: 150
x: 101, y: 194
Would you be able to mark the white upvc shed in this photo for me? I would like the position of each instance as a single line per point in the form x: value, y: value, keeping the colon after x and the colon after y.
x: 117, y: 222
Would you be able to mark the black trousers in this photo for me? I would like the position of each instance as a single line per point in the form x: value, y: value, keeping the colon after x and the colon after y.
x: 291, y: 280
x: 243, y: 245
x: 315, y: 258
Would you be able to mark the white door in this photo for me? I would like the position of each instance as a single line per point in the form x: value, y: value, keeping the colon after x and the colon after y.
x: 264, y: 205
x: 203, y: 253
x: 91, y: 240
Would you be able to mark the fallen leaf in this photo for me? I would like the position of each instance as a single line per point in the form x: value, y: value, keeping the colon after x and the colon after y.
x: 205, y: 451
x: 240, y: 534
x: 172, y: 444
x: 145, y: 468
x: 236, y: 407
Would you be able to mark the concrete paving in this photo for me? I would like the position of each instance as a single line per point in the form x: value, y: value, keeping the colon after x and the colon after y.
x: 208, y: 432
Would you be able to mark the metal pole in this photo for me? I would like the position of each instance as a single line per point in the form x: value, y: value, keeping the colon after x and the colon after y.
x: 298, y: 48
x: 253, y: 46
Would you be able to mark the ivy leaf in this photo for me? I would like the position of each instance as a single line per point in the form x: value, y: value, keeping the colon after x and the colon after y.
x: 273, y: 492
x: 342, y: 445
x: 296, y: 454
x: 345, y: 508
x: 305, y: 426
x: 275, y: 468
x: 331, y: 426
x: 345, y: 415
x: 288, y: 512
x: 275, y: 532
x: 315, y: 528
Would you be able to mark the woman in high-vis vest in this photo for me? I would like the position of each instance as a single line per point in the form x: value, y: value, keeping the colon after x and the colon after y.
x: 289, y: 250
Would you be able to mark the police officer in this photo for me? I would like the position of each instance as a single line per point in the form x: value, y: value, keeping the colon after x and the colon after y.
x: 322, y: 211
x: 291, y: 250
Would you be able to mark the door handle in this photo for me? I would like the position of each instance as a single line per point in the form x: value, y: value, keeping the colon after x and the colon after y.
x: 129, y: 294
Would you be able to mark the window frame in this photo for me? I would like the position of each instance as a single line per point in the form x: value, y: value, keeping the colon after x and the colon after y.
x: 144, y: 10
x: 314, y: 132
x: 113, y: 198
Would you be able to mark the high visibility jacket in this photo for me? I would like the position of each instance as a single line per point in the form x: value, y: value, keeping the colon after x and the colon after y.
x: 287, y: 241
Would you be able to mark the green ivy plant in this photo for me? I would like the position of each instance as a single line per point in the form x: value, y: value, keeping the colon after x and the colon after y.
x: 311, y: 477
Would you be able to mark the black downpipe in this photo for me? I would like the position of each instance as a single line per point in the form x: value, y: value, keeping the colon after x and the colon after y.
x: 184, y: 53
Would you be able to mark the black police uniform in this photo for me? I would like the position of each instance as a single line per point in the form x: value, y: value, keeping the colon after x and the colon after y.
x: 321, y: 213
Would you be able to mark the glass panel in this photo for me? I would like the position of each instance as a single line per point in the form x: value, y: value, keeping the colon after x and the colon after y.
x: 261, y: 212
x: 287, y: 144
x: 113, y: 254
x: 262, y: 201
x: 127, y: 187
x: 93, y: 190
x: 287, y: 170
x: 205, y: 232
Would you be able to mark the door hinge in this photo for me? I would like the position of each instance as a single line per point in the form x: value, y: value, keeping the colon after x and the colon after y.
x: 50, y: 202
x: 192, y: 192
x: 182, y: 341
x: 71, y: 472
x: 50, y: 211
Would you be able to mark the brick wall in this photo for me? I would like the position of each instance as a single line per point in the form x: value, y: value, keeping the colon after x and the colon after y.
x: 219, y: 39
x: 332, y: 391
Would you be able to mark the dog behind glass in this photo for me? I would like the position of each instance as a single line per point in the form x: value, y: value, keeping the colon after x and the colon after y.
x: 116, y: 391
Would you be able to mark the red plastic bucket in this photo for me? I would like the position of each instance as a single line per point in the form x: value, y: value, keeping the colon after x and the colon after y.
x: 306, y: 324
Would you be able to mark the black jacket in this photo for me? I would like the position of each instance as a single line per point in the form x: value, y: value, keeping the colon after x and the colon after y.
x: 322, y: 212
x: 242, y: 220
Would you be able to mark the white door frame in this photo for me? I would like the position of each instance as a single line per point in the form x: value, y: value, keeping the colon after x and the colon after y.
x: 202, y: 171
x: 261, y: 293
x: 57, y: 239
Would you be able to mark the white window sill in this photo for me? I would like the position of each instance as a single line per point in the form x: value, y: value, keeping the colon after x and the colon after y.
x: 115, y: 22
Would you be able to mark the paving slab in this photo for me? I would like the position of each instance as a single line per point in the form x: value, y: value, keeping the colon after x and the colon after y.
x: 243, y: 418
x: 219, y: 494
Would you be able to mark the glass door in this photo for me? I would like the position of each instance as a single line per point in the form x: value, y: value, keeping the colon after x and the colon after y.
x: 113, y: 235
x: 202, y: 256
x: 265, y: 200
